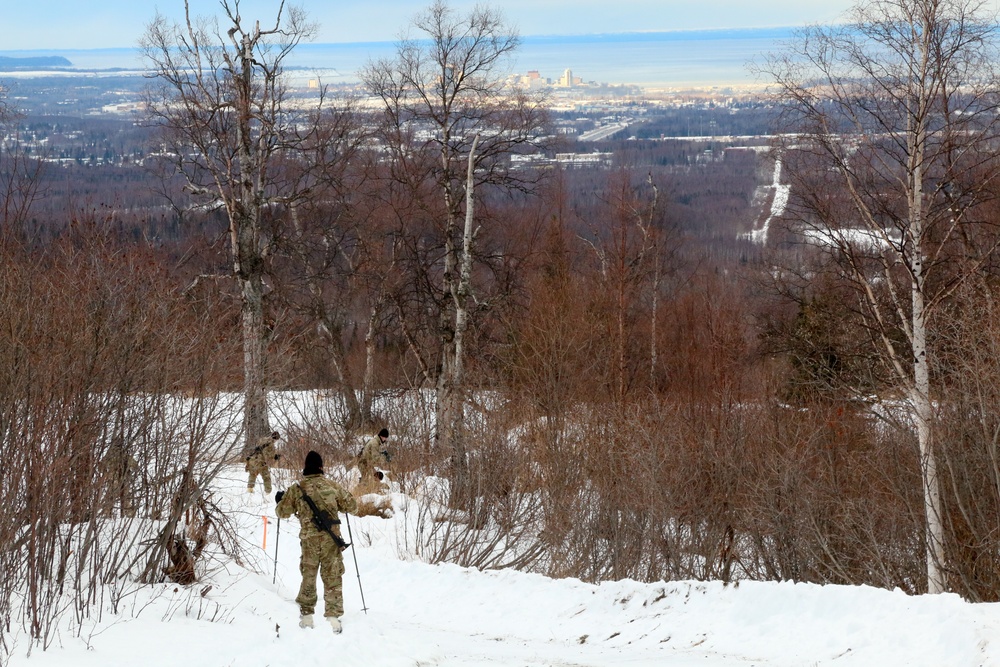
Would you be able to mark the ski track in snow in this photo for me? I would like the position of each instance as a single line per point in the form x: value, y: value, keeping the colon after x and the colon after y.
x: 778, y: 205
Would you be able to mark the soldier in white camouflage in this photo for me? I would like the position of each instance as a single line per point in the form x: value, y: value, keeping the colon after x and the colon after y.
x: 260, y: 459
x: 320, y: 551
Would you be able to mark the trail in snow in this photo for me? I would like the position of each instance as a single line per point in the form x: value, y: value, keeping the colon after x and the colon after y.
x: 444, y: 615
x: 778, y: 205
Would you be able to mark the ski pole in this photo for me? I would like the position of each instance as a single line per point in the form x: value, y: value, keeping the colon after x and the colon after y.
x: 350, y: 536
x: 277, y: 537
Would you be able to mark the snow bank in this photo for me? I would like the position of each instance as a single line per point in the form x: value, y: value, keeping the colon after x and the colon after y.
x: 444, y: 615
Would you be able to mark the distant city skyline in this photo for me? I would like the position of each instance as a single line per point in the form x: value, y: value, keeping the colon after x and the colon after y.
x: 77, y: 24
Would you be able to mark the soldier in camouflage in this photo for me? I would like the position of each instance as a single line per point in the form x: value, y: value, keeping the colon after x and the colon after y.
x: 372, y: 456
x: 259, y: 460
x: 320, y: 553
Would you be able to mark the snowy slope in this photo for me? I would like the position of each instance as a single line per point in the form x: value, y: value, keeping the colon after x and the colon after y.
x: 421, y: 614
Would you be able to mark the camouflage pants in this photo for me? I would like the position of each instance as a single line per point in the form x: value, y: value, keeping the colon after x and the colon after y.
x: 265, y: 475
x: 319, y: 553
x: 366, y: 469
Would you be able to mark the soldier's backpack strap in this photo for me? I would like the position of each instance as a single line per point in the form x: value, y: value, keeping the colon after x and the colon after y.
x: 323, y: 520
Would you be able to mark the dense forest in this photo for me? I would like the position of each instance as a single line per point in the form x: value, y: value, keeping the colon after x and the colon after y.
x: 616, y: 373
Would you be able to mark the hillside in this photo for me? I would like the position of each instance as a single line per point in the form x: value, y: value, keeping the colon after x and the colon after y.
x: 423, y: 614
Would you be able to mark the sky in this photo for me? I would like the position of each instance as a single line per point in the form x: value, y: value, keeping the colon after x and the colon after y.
x: 84, y: 24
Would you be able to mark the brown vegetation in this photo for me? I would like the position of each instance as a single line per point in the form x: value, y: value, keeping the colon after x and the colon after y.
x: 643, y: 394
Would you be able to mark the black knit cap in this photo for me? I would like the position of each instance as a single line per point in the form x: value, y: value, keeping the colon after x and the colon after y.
x: 384, y: 433
x: 314, y: 464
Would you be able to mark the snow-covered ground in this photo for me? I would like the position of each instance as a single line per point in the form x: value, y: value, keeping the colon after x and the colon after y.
x: 778, y: 204
x: 422, y: 615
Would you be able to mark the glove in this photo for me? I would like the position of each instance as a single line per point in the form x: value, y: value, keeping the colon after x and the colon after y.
x: 387, y: 455
x: 278, y: 496
x: 277, y: 456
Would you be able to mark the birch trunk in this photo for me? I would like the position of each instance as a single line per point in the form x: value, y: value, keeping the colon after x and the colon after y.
x: 445, y: 408
x: 920, y: 393
x: 255, y: 417
x: 464, y: 290
x: 461, y: 294
x: 368, y: 382
x: 248, y: 260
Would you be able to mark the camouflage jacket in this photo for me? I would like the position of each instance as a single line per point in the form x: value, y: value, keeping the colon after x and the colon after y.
x: 327, y: 494
x: 372, y: 454
x: 263, y: 455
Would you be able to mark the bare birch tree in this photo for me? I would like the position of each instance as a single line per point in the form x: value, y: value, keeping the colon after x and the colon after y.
x: 896, y: 122
x: 223, y: 101
x: 451, y: 118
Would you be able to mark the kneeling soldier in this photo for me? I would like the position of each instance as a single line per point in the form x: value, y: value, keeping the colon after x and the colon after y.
x: 372, y: 456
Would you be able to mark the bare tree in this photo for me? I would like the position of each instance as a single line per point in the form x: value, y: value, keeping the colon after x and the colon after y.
x: 326, y: 241
x: 896, y: 123
x: 452, y: 120
x: 20, y: 176
x: 223, y: 101
x: 627, y: 239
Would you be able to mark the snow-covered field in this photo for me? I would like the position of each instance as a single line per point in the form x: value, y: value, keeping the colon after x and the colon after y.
x: 421, y: 615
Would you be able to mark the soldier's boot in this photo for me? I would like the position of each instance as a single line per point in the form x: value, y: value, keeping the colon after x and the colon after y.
x: 306, y: 621
x: 249, y: 489
x: 335, y: 624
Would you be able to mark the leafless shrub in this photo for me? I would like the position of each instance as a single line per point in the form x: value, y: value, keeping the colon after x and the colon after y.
x: 713, y: 479
x: 96, y: 430
x: 826, y: 499
x: 968, y: 444
x: 497, y: 525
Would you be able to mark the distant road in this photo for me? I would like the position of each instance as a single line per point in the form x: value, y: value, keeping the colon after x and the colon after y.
x: 604, y: 132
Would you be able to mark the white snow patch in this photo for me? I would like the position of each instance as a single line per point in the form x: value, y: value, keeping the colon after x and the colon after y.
x: 778, y: 205
x: 443, y: 615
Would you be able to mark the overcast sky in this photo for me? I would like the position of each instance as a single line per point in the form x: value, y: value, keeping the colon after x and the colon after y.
x: 86, y: 24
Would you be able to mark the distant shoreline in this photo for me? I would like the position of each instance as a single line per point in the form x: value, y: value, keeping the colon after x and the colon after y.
x: 672, y: 59
x: 12, y: 63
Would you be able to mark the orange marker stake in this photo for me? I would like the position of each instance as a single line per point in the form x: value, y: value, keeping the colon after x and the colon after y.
x: 264, y: 517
